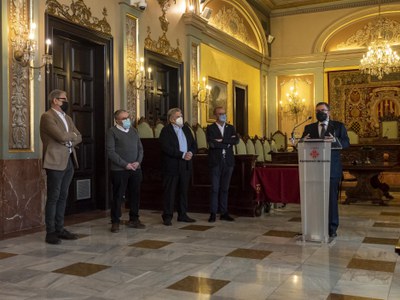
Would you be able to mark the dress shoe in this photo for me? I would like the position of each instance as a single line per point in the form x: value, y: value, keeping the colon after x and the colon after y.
x: 186, y: 219
x: 212, y: 218
x: 66, y: 235
x: 136, y: 224
x: 333, y: 235
x: 167, y: 222
x: 226, y: 217
x: 52, y: 238
x: 114, y: 227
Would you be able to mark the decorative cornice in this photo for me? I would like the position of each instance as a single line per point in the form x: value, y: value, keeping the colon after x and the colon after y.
x: 80, y: 14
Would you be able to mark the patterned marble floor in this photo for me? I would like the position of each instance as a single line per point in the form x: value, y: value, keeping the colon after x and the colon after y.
x: 251, y: 258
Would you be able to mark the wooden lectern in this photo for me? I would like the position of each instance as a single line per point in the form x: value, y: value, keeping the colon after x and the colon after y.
x: 314, y: 156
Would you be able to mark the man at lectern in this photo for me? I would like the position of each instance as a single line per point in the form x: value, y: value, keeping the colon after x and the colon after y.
x: 336, y: 131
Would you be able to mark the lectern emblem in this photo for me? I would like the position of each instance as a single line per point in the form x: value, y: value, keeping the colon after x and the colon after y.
x: 314, y: 153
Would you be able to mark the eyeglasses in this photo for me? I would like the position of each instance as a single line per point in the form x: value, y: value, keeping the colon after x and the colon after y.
x: 62, y: 99
x: 123, y: 119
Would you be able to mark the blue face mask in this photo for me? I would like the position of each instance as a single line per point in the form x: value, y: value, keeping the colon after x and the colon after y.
x: 222, y: 118
x: 126, y: 123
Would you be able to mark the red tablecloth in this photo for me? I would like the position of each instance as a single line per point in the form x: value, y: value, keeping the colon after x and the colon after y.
x: 276, y: 184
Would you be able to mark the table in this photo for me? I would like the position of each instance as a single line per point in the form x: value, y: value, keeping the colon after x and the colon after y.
x: 276, y: 183
x: 364, y: 191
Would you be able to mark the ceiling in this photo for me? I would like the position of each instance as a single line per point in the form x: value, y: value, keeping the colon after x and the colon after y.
x: 285, y: 7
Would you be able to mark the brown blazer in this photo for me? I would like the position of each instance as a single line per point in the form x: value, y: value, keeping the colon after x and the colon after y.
x: 54, y: 136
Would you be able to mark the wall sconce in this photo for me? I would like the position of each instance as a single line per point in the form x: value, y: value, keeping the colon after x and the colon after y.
x: 138, y: 78
x: 201, y: 91
x: 24, y: 45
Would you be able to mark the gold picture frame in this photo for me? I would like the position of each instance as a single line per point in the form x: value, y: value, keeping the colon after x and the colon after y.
x: 218, y: 96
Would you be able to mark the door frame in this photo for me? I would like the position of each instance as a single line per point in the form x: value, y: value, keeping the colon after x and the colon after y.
x: 52, y: 24
x: 244, y: 87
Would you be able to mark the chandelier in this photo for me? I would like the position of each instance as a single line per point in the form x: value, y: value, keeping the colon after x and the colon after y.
x: 380, y: 58
x: 294, y: 104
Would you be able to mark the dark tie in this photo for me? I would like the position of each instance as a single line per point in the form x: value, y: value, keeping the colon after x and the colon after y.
x: 323, y: 130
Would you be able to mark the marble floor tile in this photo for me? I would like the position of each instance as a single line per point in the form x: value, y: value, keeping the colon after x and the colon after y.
x: 199, y: 285
x: 197, y: 227
x: 372, y: 265
x: 150, y: 244
x: 81, y: 269
x: 6, y: 255
x: 249, y: 253
x: 348, y: 297
x: 281, y: 233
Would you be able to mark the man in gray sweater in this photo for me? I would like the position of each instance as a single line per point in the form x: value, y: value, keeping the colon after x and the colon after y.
x: 125, y: 152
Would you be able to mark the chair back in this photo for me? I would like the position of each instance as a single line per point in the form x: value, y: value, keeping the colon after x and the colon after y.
x: 144, y: 129
x: 267, y: 150
x: 201, y: 138
x: 250, y: 149
x: 259, y: 150
x: 280, y: 140
x: 353, y: 137
x: 157, y: 129
x: 241, y: 147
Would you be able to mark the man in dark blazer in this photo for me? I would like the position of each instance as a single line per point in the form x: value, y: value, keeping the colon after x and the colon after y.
x: 177, y: 147
x: 335, y: 131
x: 221, y: 138
x: 59, y: 136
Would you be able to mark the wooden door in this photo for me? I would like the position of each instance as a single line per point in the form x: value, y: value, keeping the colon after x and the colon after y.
x: 79, y: 68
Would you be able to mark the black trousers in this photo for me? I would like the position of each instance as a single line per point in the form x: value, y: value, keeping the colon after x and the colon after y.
x: 220, y: 179
x: 125, y: 183
x: 176, y: 188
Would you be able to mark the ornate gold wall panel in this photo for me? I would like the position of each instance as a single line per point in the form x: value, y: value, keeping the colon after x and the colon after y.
x: 19, y: 97
x: 78, y: 13
x: 131, y: 63
x: 360, y: 101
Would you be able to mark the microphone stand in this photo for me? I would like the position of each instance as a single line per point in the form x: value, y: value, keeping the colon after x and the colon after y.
x: 294, y: 128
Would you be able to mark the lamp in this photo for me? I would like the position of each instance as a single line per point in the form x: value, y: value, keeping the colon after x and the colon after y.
x: 23, y: 43
x: 294, y: 104
x: 138, y: 78
x: 380, y: 58
x: 270, y: 39
x: 201, y: 91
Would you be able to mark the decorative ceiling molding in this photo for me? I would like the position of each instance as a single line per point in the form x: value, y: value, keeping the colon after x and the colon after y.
x: 163, y: 45
x: 361, y: 38
x: 80, y: 14
x: 231, y: 22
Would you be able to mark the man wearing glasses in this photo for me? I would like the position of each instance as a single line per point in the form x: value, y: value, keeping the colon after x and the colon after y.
x: 59, y: 136
x: 326, y: 128
x: 125, y: 152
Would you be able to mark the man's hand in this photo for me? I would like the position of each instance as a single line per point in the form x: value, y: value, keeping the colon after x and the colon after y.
x: 218, y: 140
x: 132, y: 166
x: 188, y: 156
x: 307, y: 136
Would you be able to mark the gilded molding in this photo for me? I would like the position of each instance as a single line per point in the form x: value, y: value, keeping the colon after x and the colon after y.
x: 131, y: 63
x: 390, y: 29
x: 229, y: 21
x: 163, y: 45
x: 19, y: 99
x: 80, y: 14
x: 195, y: 79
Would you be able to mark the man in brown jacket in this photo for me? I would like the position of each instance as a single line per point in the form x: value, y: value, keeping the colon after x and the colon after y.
x: 59, y: 136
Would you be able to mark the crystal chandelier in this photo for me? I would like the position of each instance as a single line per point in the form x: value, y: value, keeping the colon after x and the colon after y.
x: 380, y: 58
x: 294, y: 104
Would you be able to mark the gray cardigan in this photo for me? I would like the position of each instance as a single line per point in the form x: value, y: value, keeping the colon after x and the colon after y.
x: 123, y: 148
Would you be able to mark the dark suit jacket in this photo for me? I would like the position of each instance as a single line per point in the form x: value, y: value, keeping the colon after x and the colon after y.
x: 54, y: 135
x: 229, y: 139
x: 337, y: 130
x: 171, y: 155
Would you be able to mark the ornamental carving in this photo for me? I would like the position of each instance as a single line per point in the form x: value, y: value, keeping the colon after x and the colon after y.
x: 163, y: 45
x: 19, y: 105
x: 131, y: 63
x: 80, y: 14
x: 387, y: 28
x: 229, y: 21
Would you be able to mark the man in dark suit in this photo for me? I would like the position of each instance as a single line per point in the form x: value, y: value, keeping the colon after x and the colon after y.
x: 177, y: 147
x: 221, y: 138
x: 59, y: 136
x: 335, y: 131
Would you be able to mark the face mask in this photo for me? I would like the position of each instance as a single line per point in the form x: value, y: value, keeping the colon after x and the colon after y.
x: 222, y: 118
x: 64, y: 106
x: 126, y: 123
x: 179, y: 121
x: 322, y: 116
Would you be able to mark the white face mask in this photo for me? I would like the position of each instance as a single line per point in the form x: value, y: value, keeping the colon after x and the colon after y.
x: 179, y: 121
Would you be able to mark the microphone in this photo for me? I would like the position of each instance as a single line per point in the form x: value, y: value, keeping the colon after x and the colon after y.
x: 301, y: 123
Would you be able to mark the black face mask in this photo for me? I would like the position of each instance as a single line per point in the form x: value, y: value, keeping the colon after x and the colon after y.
x: 322, y: 116
x: 64, y: 106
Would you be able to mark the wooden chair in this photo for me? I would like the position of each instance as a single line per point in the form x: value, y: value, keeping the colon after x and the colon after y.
x: 241, y: 147
x: 259, y: 149
x: 144, y: 129
x: 201, y: 138
x: 280, y: 140
x: 250, y: 149
x: 353, y: 137
x: 157, y: 129
x: 389, y: 126
x: 267, y: 150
